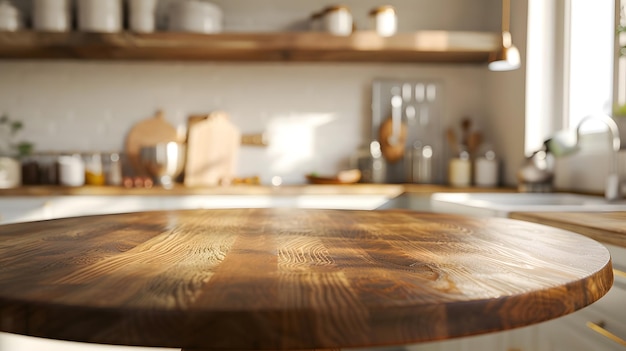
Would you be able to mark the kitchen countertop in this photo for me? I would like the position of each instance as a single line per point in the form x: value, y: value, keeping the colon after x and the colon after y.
x: 607, y: 227
x: 390, y: 190
x: 290, y: 278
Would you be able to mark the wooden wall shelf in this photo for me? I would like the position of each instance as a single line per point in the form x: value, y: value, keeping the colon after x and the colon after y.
x: 362, y: 46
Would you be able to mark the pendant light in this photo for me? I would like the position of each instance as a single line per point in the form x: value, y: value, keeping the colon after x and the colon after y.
x: 507, y: 58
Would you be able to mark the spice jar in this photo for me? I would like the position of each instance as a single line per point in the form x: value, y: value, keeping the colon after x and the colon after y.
x: 337, y: 20
x: 94, y: 173
x: 113, y: 169
x: 30, y: 170
x: 385, y: 20
x: 48, y: 169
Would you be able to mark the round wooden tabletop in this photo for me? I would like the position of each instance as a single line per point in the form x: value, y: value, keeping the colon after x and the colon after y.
x: 289, y: 278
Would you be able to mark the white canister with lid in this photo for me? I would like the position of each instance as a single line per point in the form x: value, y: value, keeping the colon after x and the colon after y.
x: 51, y: 15
x: 460, y: 170
x: 71, y: 170
x: 385, y: 20
x: 10, y: 173
x: 10, y: 18
x: 486, y: 170
x: 337, y: 20
x: 142, y: 15
x: 104, y: 16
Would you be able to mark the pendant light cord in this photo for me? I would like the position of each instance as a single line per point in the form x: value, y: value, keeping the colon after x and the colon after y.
x: 506, y: 16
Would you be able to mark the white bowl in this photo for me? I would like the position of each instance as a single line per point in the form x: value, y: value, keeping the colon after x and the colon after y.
x: 195, y: 16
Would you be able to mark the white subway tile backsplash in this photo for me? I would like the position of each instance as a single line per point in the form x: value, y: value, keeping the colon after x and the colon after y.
x: 316, y: 115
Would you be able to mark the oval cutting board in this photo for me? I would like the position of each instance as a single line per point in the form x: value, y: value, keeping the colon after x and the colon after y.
x: 149, y: 132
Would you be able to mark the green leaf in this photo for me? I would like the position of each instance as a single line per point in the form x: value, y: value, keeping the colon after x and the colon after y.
x: 16, y: 126
x: 24, y: 148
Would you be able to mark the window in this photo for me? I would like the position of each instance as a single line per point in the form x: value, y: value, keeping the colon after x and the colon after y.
x: 569, y: 65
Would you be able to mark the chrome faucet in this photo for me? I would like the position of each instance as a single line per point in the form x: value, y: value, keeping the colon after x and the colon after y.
x: 612, y: 186
x: 560, y: 144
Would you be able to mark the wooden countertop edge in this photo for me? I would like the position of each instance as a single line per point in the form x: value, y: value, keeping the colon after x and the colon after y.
x: 391, y: 190
x: 590, y: 230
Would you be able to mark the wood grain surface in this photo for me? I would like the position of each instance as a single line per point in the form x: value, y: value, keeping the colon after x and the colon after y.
x: 289, y: 278
x: 608, y: 227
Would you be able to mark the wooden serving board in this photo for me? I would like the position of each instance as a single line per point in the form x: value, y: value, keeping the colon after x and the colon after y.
x: 148, y: 132
x: 212, y: 149
x: 608, y: 227
x: 289, y: 278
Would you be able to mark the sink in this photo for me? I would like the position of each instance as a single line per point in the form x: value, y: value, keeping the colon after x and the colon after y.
x: 501, y: 204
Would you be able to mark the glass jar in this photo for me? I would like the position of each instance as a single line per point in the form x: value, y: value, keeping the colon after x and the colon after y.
x: 113, y: 169
x: 30, y: 170
x: 385, y: 20
x: 337, y: 20
x: 94, y: 172
x: 48, y: 169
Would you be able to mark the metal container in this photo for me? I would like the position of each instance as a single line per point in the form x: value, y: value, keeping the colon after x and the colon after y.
x: 164, y: 161
x: 370, y: 162
x: 421, y: 113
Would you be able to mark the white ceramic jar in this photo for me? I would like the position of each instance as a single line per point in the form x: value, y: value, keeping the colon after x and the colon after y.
x: 486, y: 170
x: 51, y: 15
x: 71, y: 170
x: 10, y: 173
x: 10, y: 18
x: 337, y: 20
x: 195, y: 16
x: 385, y: 20
x: 142, y: 15
x: 460, y: 170
x: 104, y: 16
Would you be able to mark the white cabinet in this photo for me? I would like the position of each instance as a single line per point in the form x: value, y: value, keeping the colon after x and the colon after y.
x: 71, y: 206
x: 12, y: 342
x: 522, y: 339
x: 22, y: 209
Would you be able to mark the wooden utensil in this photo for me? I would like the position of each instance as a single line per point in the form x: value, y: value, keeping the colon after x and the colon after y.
x: 212, y: 147
x: 343, y: 177
x: 474, y: 141
x: 392, y: 133
x: 149, y: 132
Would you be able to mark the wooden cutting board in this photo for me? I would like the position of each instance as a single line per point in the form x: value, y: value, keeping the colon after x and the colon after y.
x: 212, y: 149
x: 149, y: 132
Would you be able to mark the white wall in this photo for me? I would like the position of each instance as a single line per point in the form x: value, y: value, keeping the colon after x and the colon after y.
x: 90, y: 106
x: 506, y: 100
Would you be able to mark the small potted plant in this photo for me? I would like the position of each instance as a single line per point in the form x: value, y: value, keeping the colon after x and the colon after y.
x: 11, y: 151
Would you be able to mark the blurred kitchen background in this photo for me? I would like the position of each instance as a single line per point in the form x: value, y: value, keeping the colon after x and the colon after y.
x: 315, y: 116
